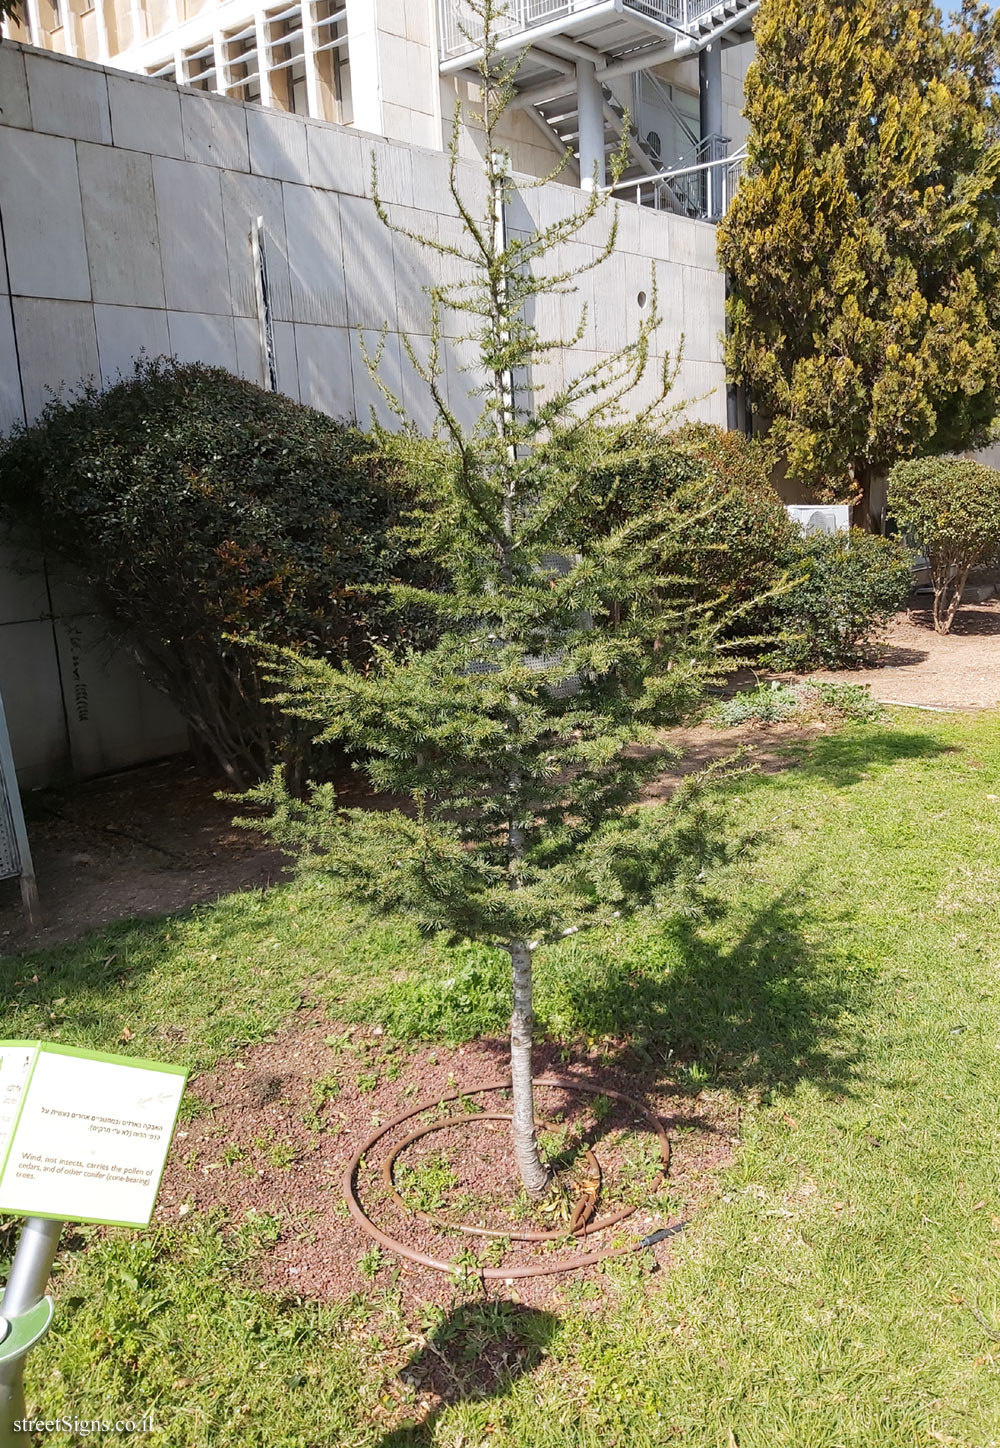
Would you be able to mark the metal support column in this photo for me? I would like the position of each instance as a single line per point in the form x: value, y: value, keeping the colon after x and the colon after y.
x: 590, y: 112
x: 710, y: 108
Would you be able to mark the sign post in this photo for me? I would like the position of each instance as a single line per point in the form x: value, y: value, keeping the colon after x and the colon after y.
x: 83, y: 1137
x: 25, y: 1313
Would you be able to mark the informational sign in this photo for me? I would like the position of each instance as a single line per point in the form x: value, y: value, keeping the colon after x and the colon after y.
x: 83, y: 1137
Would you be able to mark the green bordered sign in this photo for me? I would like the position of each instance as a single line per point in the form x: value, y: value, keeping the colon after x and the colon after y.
x: 83, y: 1136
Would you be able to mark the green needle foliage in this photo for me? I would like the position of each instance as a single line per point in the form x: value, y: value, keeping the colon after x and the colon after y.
x: 517, y: 742
x: 863, y: 246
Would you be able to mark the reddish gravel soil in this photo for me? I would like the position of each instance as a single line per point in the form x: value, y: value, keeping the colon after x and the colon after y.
x: 276, y: 1127
x: 914, y: 665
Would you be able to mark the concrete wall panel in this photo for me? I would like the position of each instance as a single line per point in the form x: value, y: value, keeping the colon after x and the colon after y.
x: 69, y: 100
x: 204, y: 338
x: 286, y: 359
x: 323, y: 360
x: 249, y: 355
x: 192, y: 236
x: 368, y: 396
x: 11, y: 410
x: 125, y: 332
x: 32, y: 696
x: 215, y: 131
x: 146, y: 115
x: 43, y: 217
x: 368, y: 271
x: 244, y: 198
x: 13, y: 87
x: 315, y: 266
x: 115, y: 717
x: 278, y: 145
x: 119, y: 218
x: 57, y: 346
x: 24, y: 596
x: 338, y: 159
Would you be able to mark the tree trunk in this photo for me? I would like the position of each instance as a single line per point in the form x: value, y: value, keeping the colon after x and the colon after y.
x: 947, y: 599
x: 534, y: 1173
x: 861, y: 516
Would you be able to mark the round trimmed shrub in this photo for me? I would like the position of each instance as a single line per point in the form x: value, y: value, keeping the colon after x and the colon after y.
x: 951, y: 508
x: 850, y: 585
x: 740, y: 537
x: 202, y: 511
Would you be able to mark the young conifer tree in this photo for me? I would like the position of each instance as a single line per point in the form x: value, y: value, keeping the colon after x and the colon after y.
x: 518, y: 742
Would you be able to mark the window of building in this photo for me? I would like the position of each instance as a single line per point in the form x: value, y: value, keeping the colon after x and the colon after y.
x: 198, y: 66
x: 286, y: 59
x: 163, y: 72
x: 241, y: 63
x: 333, y: 72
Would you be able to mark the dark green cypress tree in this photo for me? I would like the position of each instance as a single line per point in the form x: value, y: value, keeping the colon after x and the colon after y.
x: 862, y: 247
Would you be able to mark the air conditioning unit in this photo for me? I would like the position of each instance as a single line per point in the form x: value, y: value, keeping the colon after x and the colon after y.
x: 820, y: 517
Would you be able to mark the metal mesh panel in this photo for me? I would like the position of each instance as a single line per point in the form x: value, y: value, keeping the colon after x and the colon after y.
x: 10, y: 860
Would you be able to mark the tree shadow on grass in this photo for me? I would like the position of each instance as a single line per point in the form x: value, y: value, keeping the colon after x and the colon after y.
x: 759, y: 999
x: 758, y: 1013
x: 476, y: 1352
x: 847, y: 758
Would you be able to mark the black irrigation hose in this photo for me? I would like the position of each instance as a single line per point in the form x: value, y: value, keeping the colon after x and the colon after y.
x: 581, y: 1214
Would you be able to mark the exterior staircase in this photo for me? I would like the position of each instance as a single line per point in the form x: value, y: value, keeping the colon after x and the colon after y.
x: 643, y: 167
x: 623, y: 39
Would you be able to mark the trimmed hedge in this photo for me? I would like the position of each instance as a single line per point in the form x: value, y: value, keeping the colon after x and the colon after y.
x: 951, y: 507
x: 784, y: 600
x: 741, y: 536
x: 201, y: 511
x: 849, y: 586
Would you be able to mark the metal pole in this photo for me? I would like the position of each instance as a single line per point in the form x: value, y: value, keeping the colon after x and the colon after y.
x: 262, y: 289
x: 590, y: 113
x: 10, y: 799
x: 710, y: 113
x: 29, y: 1276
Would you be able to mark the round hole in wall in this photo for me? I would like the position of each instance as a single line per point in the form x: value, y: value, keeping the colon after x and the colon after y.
x: 641, y: 299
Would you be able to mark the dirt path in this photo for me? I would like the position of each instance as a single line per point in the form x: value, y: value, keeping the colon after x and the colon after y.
x: 144, y: 842
x: 919, y: 667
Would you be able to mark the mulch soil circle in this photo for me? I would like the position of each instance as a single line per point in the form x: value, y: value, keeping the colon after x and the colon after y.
x: 580, y: 1221
x: 276, y: 1127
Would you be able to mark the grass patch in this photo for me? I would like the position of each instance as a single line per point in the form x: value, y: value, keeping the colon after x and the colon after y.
x: 843, y: 1288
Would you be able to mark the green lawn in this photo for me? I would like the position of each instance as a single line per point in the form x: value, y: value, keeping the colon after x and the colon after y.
x: 841, y: 1288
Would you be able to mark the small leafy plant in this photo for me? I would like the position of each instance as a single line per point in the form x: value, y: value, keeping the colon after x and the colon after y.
x: 776, y: 703
x: 764, y: 704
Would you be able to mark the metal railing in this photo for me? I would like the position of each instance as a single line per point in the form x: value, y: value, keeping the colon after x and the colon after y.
x: 704, y: 191
x: 462, y: 29
x: 651, y: 99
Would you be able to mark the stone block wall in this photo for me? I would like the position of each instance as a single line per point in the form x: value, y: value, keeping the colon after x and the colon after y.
x: 126, y: 207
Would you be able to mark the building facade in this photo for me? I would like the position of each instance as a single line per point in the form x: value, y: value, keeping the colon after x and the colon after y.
x: 668, y: 72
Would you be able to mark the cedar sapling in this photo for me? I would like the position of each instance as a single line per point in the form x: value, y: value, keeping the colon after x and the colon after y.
x: 517, y: 744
